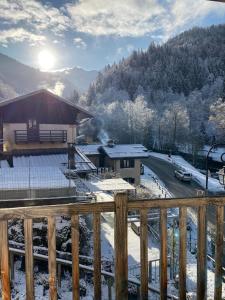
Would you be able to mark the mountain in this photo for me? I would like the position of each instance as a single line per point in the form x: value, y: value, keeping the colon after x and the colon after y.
x: 17, y: 78
x: 168, y: 96
x: 188, y: 62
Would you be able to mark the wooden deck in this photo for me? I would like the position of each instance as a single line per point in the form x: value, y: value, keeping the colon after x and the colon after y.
x: 120, y: 207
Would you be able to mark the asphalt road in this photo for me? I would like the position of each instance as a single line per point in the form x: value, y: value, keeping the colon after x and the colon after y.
x: 165, y: 171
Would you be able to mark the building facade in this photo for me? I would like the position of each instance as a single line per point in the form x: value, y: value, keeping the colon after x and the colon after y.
x: 38, y: 122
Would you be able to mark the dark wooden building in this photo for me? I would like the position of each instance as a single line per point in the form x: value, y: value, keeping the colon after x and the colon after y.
x: 38, y: 121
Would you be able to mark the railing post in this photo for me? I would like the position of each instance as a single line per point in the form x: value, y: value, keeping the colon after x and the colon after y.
x: 201, y: 255
x: 183, y: 250
x: 52, y: 258
x: 163, y: 254
x: 120, y: 240
x: 29, y: 264
x: 5, y: 274
x: 219, y: 252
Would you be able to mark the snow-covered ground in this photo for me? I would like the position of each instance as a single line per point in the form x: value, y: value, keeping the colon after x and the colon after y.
x: 213, y: 185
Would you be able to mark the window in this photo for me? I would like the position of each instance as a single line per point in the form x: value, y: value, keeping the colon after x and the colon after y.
x: 32, y: 123
x: 126, y: 163
x: 129, y: 180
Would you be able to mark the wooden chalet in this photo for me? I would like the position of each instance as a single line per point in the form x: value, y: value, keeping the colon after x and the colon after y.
x: 38, y: 122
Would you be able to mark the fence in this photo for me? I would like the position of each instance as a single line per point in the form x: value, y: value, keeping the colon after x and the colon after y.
x: 120, y: 207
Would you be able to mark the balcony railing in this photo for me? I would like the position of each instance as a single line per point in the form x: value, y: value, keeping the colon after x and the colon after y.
x: 43, y: 136
x: 120, y: 207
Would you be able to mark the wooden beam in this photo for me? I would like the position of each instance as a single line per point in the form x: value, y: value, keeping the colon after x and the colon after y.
x: 97, y: 255
x: 219, y: 252
x: 5, y: 274
x: 201, y: 255
x: 75, y: 256
x: 29, y: 264
x: 182, y: 252
x: 144, y: 253
x: 52, y: 258
x: 120, y: 243
x: 163, y: 254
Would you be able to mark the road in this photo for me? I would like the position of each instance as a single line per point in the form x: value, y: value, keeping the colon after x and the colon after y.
x: 165, y: 171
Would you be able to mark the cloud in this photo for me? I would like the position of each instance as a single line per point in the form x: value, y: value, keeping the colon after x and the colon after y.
x: 135, y: 18
x: 31, y: 16
x: 79, y: 43
x: 123, y: 18
x: 127, y: 18
x: 20, y: 35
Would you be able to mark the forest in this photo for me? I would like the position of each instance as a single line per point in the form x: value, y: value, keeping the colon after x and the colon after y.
x: 171, y: 96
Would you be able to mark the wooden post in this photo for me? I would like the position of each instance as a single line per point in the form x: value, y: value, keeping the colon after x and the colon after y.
x: 75, y: 255
x: 52, y: 258
x: 120, y: 236
x: 163, y: 254
x: 219, y: 252
x: 144, y: 253
x: 182, y: 256
x: 201, y: 255
x: 5, y: 274
x: 97, y: 255
x: 29, y: 263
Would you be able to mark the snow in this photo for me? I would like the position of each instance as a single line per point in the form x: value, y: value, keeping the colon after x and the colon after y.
x: 91, y: 149
x: 215, y: 154
x: 52, y: 160
x: 151, y: 181
x: 126, y: 151
x: 35, y: 178
x: 179, y: 162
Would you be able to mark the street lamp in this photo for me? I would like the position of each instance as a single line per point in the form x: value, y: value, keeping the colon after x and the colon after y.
x: 207, y: 164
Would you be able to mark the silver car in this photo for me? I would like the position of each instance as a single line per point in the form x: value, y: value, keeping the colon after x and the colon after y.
x: 182, y: 175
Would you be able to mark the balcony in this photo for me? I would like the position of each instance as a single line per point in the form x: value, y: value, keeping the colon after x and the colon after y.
x: 43, y: 136
x: 120, y: 207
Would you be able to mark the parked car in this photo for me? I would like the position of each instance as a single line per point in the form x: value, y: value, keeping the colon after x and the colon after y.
x: 182, y: 175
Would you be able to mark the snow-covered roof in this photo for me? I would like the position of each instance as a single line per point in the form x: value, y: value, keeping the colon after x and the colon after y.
x: 115, y: 184
x: 126, y: 151
x: 117, y: 151
x: 32, y: 178
x: 92, y: 149
x: 83, y: 164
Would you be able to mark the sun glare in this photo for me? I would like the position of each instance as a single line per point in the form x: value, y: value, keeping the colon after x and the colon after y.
x: 46, y: 60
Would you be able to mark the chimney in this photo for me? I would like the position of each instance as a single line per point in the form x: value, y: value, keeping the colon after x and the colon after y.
x: 71, y: 156
x: 110, y: 143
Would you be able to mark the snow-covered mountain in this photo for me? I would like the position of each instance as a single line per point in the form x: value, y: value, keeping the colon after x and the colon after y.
x: 17, y: 78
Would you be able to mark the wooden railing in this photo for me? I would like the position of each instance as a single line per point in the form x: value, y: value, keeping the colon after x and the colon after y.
x: 120, y: 207
x: 43, y: 136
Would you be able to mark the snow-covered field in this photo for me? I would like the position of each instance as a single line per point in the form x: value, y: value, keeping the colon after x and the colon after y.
x: 213, y: 185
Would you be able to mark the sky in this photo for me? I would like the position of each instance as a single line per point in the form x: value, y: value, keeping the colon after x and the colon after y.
x: 93, y: 33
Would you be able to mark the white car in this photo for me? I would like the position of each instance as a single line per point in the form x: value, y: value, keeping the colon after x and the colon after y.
x: 182, y: 175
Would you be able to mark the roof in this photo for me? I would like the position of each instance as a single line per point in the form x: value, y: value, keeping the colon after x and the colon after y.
x: 35, y: 178
x: 92, y: 149
x: 83, y: 164
x: 126, y: 151
x: 22, y: 97
x: 115, y: 184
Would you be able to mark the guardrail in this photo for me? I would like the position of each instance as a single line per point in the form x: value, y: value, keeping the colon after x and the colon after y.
x: 120, y: 206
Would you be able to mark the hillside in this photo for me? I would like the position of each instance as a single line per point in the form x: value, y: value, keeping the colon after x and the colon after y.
x: 166, y: 97
x: 185, y: 63
x: 17, y: 78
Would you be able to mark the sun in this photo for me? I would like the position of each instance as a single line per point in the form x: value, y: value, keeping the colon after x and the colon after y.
x: 46, y: 60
